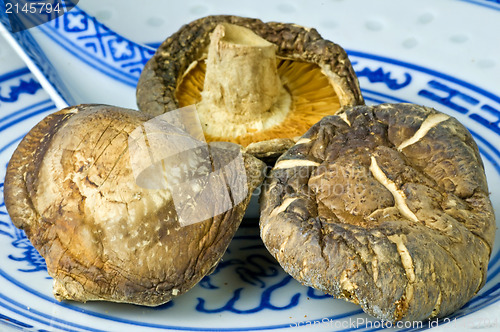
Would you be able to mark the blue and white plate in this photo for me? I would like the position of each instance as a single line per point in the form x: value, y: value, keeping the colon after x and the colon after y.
x: 74, y: 55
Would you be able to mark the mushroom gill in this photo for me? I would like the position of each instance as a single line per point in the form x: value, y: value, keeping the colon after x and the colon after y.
x: 245, y: 93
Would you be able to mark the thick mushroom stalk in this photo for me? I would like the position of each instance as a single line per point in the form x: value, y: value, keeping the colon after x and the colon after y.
x: 242, y: 90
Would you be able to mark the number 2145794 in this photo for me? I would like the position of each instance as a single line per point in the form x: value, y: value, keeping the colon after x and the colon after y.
x: 32, y: 8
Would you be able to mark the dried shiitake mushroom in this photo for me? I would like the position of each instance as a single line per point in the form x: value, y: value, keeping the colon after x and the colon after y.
x: 72, y: 187
x: 257, y: 84
x: 386, y: 206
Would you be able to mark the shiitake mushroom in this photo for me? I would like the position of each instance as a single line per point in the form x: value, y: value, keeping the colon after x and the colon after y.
x: 385, y: 206
x: 72, y: 187
x: 257, y: 84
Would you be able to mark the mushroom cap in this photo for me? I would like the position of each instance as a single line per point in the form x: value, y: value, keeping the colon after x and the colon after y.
x: 71, y: 187
x: 160, y: 79
x: 386, y: 206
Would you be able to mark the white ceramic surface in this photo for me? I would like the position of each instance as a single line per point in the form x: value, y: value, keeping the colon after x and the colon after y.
x: 442, y: 54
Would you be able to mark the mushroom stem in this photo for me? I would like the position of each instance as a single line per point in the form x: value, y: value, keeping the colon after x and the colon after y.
x: 242, y: 89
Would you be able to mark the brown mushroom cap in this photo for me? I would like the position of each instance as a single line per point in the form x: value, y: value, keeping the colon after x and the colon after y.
x: 70, y: 186
x: 386, y: 206
x: 316, y: 72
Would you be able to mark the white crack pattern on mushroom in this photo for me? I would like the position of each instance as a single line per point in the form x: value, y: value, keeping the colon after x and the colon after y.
x: 430, y: 122
x: 290, y: 163
x: 398, y: 194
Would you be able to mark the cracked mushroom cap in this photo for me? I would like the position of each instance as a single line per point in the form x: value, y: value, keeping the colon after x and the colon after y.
x: 70, y: 186
x: 386, y: 206
x: 257, y: 84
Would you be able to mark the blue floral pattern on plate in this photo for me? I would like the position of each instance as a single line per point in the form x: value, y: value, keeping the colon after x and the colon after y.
x: 94, y: 43
x: 248, y: 281
x: 248, y: 284
x: 491, y: 4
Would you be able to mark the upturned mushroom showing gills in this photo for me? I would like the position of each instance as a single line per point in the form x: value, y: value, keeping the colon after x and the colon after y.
x: 115, y: 217
x: 257, y: 84
x: 385, y: 206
